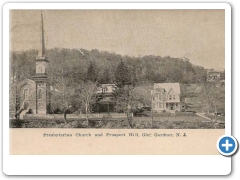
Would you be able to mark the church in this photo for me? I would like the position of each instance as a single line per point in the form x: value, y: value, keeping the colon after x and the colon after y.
x: 34, y: 93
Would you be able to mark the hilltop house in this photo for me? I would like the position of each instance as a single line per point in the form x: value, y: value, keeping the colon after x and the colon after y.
x: 213, y: 75
x: 166, y: 97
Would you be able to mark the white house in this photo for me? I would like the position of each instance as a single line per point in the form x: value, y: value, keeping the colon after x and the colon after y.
x: 166, y: 96
x: 213, y: 75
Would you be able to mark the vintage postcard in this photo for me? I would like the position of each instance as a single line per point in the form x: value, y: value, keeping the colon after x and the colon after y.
x: 117, y: 81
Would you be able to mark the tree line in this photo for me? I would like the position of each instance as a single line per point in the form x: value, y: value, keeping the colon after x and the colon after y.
x: 151, y: 68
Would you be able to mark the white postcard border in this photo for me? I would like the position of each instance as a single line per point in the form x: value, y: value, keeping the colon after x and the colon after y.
x: 126, y: 164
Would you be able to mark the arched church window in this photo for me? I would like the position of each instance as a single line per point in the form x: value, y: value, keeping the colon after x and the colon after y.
x: 25, y: 94
x: 39, y: 94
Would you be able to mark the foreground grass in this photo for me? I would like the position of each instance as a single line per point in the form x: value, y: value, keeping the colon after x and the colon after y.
x: 138, y: 123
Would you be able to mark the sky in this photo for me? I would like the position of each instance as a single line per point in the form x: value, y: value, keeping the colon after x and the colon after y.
x: 198, y: 35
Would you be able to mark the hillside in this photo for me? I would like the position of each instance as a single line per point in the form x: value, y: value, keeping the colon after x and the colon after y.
x: 75, y: 62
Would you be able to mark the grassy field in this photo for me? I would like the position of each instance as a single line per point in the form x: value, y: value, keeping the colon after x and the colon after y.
x: 180, y: 122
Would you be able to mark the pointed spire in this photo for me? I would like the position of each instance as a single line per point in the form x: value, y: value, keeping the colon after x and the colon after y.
x: 41, y: 51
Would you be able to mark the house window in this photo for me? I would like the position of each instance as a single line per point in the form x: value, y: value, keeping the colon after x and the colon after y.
x: 104, y: 89
x: 160, y: 105
x: 160, y: 97
x: 39, y: 94
x: 170, y: 97
x: 153, y: 105
x: 173, y: 96
x: 155, y: 97
x: 25, y: 94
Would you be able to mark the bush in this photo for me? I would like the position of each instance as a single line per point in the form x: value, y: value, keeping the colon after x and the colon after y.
x: 30, y: 111
x: 146, y: 108
x: 57, y: 111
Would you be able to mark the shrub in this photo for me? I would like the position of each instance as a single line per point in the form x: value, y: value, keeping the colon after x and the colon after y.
x: 57, y: 111
x: 30, y: 111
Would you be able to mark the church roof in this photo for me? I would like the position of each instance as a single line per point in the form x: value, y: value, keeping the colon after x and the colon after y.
x: 25, y: 81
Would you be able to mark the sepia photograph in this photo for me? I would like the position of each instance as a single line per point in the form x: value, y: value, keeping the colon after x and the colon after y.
x: 95, y: 85
x: 117, y: 69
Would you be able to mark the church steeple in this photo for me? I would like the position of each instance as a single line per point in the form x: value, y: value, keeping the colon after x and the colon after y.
x: 41, y: 76
x: 41, y: 60
x: 41, y: 51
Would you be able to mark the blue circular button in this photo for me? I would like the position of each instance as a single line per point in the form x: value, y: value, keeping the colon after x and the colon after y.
x: 227, y: 145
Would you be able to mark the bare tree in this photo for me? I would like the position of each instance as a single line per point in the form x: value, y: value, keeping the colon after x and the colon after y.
x: 61, y: 96
x: 87, y: 95
x: 143, y: 94
x: 213, y: 97
x: 63, y: 86
x: 56, y: 101
x: 13, y: 103
x: 133, y: 98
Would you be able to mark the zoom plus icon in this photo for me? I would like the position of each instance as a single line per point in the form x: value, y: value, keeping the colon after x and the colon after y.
x: 227, y: 145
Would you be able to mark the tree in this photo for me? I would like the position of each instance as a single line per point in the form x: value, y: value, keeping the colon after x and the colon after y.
x: 222, y: 75
x: 130, y: 98
x: 123, y: 90
x: 149, y: 99
x: 63, y: 83
x: 56, y: 104
x: 105, y: 79
x: 61, y: 99
x: 87, y: 96
x: 212, y: 97
x: 91, y: 73
x: 142, y: 95
x: 21, y: 64
x: 13, y: 95
x: 122, y: 75
x: 123, y: 101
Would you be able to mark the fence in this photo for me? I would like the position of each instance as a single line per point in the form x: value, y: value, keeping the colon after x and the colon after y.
x: 76, y: 116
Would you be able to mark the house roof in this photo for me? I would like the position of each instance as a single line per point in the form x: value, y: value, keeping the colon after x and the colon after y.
x: 168, y: 87
x: 212, y: 71
x: 109, y: 88
x: 106, y: 100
